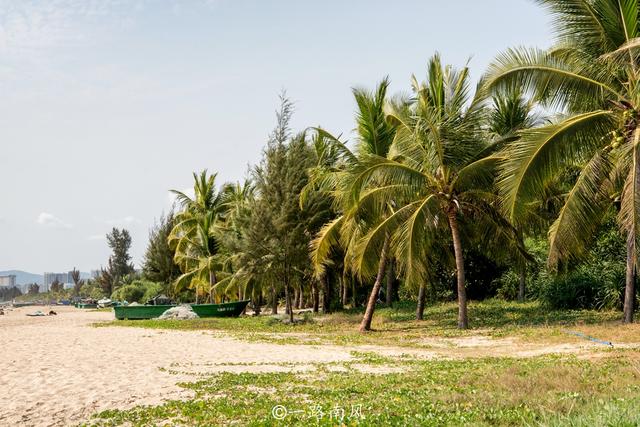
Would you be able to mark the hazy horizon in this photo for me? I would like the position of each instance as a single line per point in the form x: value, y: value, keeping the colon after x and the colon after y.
x: 108, y: 104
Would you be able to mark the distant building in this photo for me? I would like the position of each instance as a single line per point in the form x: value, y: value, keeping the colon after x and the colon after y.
x: 9, y: 280
x: 49, y: 278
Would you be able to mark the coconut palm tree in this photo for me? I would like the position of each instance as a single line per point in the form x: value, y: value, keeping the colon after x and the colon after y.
x: 591, y: 76
x: 194, y: 237
x: 511, y: 112
x: 439, y: 178
x: 196, y: 254
x: 334, y: 175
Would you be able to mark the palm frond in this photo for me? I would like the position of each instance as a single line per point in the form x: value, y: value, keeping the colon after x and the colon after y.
x: 582, y: 212
x: 542, y: 152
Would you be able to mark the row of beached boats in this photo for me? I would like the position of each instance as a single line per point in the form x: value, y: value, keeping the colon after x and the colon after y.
x: 155, y: 307
x: 158, y: 305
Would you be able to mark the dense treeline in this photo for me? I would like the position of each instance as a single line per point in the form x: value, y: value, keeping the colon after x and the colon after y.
x: 527, y: 186
x: 446, y: 192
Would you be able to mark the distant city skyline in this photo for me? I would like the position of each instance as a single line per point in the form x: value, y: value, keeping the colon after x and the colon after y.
x: 107, y: 105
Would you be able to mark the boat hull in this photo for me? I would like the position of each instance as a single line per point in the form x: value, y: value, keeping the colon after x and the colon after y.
x: 229, y: 309
x: 81, y: 305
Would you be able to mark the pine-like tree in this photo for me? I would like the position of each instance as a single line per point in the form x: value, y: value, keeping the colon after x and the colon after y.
x: 158, y: 264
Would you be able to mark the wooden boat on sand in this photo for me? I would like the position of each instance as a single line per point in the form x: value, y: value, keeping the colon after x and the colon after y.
x: 227, y: 309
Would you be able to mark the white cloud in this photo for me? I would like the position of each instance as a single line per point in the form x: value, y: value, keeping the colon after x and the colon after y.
x: 49, y: 220
x: 127, y: 220
x: 29, y: 29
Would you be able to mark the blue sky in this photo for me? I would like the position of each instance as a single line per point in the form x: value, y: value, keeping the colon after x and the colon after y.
x: 106, y: 105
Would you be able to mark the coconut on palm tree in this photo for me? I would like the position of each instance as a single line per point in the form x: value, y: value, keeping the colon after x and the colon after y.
x: 591, y: 76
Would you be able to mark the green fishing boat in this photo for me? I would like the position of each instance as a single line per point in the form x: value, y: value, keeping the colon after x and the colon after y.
x: 228, y: 309
x: 86, y: 305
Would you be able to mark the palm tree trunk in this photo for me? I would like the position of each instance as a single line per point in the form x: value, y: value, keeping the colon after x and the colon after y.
x: 315, y: 294
x: 373, y: 297
x: 274, y: 300
x: 345, y: 290
x: 354, y: 293
x: 257, y: 307
x: 629, y: 289
x: 521, y: 288
x: 421, y: 299
x: 212, y: 282
x: 287, y: 297
x: 296, y: 298
x: 326, y: 294
x: 390, y: 280
x: 300, y: 297
x: 463, y: 321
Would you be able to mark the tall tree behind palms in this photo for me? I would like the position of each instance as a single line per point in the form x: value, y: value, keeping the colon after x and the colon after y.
x: 591, y: 75
x: 119, y: 264
x: 77, y: 282
x: 158, y: 264
x: 269, y: 243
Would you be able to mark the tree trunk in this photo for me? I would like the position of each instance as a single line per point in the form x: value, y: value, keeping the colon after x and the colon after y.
x: 523, y: 281
x: 326, y: 294
x: 421, y: 298
x: 345, y: 291
x: 315, y: 294
x: 212, y: 282
x: 287, y: 297
x: 629, y: 289
x: 373, y: 297
x: 301, y: 298
x: 296, y: 298
x: 463, y: 321
x: 390, y: 279
x: 354, y: 292
x: 274, y: 301
x: 257, y: 308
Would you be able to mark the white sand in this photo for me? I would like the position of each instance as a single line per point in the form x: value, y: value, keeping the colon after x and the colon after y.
x: 59, y: 370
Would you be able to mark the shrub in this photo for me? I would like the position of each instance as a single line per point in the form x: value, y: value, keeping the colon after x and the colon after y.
x: 138, y: 291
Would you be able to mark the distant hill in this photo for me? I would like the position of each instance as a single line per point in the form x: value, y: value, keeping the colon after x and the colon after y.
x: 24, y: 277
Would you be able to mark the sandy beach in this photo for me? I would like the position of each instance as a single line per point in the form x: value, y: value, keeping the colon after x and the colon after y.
x: 59, y: 370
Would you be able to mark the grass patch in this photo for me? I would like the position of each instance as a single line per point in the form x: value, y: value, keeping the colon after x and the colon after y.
x: 537, y: 391
x: 396, y: 326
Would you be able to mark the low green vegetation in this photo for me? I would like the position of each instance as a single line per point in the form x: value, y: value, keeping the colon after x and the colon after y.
x: 397, y: 326
x: 139, y: 291
x: 375, y: 391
